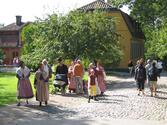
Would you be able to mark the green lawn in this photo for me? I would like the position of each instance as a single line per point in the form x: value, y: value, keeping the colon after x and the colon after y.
x: 8, y: 85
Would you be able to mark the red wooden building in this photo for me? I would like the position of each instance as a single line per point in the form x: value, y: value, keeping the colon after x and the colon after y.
x: 10, y: 40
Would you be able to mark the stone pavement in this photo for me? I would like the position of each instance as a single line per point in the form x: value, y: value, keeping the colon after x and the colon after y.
x: 120, y: 105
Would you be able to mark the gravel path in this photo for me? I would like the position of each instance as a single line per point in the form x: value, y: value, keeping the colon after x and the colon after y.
x: 120, y: 102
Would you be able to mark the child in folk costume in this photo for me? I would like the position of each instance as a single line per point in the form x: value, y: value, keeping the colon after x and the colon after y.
x: 92, y: 88
x: 71, y: 79
x: 91, y: 66
x: 24, y: 89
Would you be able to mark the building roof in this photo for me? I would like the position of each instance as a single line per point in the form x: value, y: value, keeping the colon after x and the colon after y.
x: 133, y: 26
x: 12, y: 27
x: 98, y: 4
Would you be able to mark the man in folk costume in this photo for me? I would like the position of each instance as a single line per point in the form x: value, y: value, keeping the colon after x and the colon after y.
x: 24, y: 88
x: 92, y: 89
x: 42, y: 91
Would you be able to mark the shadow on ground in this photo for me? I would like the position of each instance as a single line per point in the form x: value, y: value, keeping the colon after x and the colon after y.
x: 113, y: 85
x: 83, y: 121
x: 27, y: 113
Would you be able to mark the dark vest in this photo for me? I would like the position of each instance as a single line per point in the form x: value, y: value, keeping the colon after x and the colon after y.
x: 92, y: 80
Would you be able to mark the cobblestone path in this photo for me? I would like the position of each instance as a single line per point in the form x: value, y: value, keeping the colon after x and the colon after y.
x: 120, y: 102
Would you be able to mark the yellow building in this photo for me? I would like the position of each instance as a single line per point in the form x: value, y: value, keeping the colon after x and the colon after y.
x: 132, y: 38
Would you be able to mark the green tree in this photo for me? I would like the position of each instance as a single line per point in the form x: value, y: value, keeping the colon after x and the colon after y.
x: 40, y: 41
x: 147, y: 12
x: 85, y: 35
x: 120, y: 3
x: 89, y: 35
x: 152, y: 16
x: 158, y: 43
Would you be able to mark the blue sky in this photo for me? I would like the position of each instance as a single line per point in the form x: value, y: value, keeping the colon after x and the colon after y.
x: 30, y: 9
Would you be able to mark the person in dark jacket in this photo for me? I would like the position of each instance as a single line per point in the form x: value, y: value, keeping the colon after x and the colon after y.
x: 62, y: 70
x: 131, y: 68
x: 140, y: 77
x: 152, y: 75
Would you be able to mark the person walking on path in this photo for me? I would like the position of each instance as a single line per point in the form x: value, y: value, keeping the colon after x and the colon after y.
x: 130, y: 67
x: 140, y: 77
x: 92, y: 81
x: 24, y: 88
x: 78, y: 74
x: 147, y: 67
x: 62, y: 72
x: 93, y: 67
x: 153, y: 74
x: 42, y: 91
x: 159, y: 66
x: 71, y: 79
x: 101, y: 78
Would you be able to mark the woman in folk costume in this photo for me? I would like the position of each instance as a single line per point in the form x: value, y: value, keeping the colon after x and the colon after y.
x: 46, y: 70
x: 101, y: 78
x: 24, y: 89
x: 92, y: 88
x: 42, y: 92
x: 71, y: 79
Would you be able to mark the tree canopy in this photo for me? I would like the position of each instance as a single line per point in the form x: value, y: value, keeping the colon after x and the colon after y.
x: 151, y: 14
x: 85, y: 35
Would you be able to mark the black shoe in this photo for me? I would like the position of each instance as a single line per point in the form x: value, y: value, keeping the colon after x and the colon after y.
x: 27, y: 101
x: 40, y: 103
x: 102, y: 93
x: 18, y: 104
x: 46, y: 102
x: 89, y: 99
x: 95, y: 99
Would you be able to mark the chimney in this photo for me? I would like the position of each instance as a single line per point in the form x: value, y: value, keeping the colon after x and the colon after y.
x: 18, y: 20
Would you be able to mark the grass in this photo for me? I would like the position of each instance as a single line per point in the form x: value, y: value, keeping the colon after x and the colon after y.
x: 8, y: 87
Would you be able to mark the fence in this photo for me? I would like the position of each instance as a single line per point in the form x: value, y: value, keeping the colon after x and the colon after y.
x: 7, y: 68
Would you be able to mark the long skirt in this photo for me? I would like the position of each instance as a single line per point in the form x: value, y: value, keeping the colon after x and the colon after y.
x: 101, y: 83
x: 24, y: 89
x: 72, y: 83
x: 42, y: 92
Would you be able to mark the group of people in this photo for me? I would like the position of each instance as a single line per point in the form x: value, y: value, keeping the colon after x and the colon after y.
x: 24, y: 88
x: 149, y: 73
x: 72, y: 77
